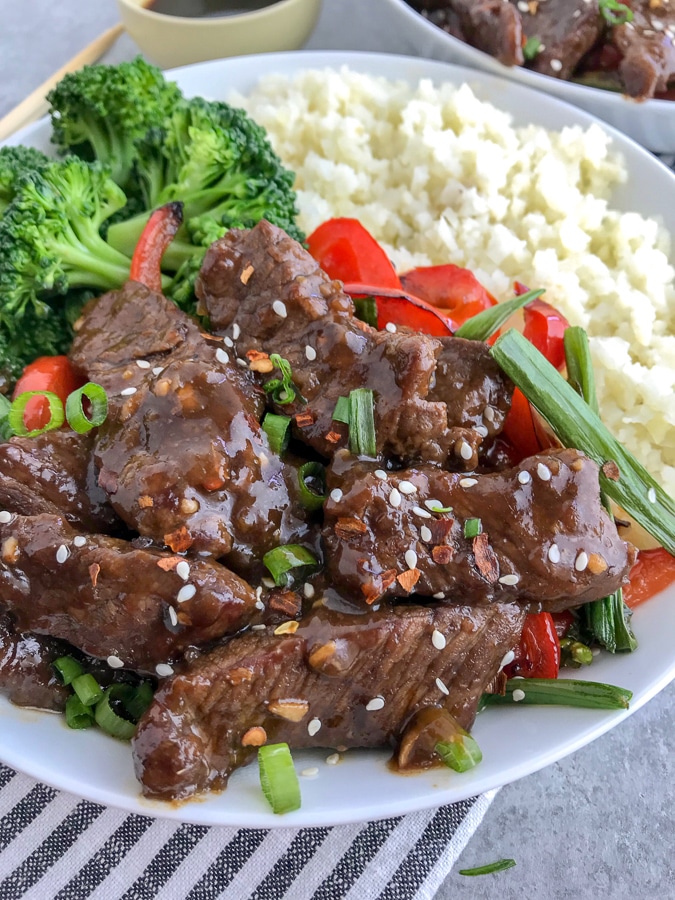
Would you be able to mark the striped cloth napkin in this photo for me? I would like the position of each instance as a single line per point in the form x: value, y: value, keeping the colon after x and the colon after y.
x: 54, y: 846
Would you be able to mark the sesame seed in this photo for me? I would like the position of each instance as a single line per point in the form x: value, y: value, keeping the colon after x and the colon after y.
x: 228, y: 342
x: 222, y: 356
x: 581, y: 561
x: 543, y: 472
x: 173, y: 616
x: 333, y: 759
x: 391, y: 328
x: 336, y: 495
x: 407, y: 487
x: 508, y: 658
x: 158, y: 370
x: 411, y: 559
x: 425, y: 534
x: 651, y: 495
x: 258, y: 627
x: 127, y: 392
x: 62, y: 554
x: 267, y: 582
x: 308, y: 590
x: 164, y: 670
x: 489, y: 414
x: 381, y: 474
x: 142, y: 364
x: 375, y: 704
x: 433, y: 504
x: 236, y: 331
x: 313, y: 726
x: 311, y: 772
x: 481, y: 430
x: 467, y: 482
x: 279, y: 308
x: 422, y: 513
x: 395, y: 498
x: 465, y: 450
x: 509, y: 579
x: 310, y: 353
x: 258, y: 592
x: 115, y: 662
x: 554, y: 553
x: 439, y: 596
x: 556, y: 65
x: 524, y: 477
x: 183, y: 570
x: 518, y: 695
x: 441, y: 686
x: 438, y: 639
x: 79, y: 541
x: 259, y: 605
x: 5, y: 517
x: 242, y: 362
x: 187, y: 592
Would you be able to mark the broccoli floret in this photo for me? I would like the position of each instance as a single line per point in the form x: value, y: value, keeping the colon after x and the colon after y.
x: 44, y: 333
x: 15, y: 162
x: 99, y: 112
x: 50, y: 241
x: 220, y: 164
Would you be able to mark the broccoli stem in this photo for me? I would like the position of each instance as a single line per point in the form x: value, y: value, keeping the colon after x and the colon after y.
x: 123, y: 236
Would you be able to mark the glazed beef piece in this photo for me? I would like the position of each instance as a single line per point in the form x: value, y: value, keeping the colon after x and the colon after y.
x: 545, y: 538
x: 646, y: 45
x: 55, y: 473
x: 264, y: 288
x: 314, y: 689
x: 566, y: 30
x: 108, y: 598
x: 182, y: 454
x: 26, y: 674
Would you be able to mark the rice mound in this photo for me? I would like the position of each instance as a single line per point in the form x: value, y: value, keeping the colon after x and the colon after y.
x: 438, y: 176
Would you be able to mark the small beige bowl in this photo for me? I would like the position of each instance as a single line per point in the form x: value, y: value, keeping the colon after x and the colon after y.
x: 171, y: 41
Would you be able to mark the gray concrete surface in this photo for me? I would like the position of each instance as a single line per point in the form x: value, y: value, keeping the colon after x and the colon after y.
x: 600, y: 823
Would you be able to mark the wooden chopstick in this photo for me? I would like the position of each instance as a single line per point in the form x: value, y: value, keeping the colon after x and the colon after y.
x: 35, y: 105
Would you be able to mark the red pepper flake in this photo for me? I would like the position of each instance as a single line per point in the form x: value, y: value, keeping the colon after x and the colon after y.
x: 440, y: 530
x: 303, y: 420
x: 169, y: 563
x: 179, y: 540
x: 94, y: 570
x: 347, y: 526
x: 212, y: 484
x: 486, y: 559
x: 333, y: 437
x: 256, y: 354
x: 211, y: 337
x: 145, y: 501
x: 246, y: 274
x: 442, y: 554
x: 374, y: 589
x: 611, y: 470
x: 409, y: 579
x: 287, y: 602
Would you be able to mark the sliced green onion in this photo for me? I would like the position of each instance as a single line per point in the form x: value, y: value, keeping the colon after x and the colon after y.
x: 574, y: 653
x: 18, y: 408
x: 461, y: 753
x: 341, y: 411
x: 615, y: 13
x: 278, y: 778
x: 579, y: 365
x: 107, y: 718
x: 499, y: 866
x: 277, y: 429
x: 362, y: 440
x: 68, y: 668
x: 484, y: 324
x: 561, y: 692
x: 77, y: 714
x: 5, y: 428
x: 75, y: 414
x: 472, y: 528
x: 435, y: 507
x: 531, y: 48
x: 312, y: 481
x: 137, y: 703
x: 365, y: 309
x: 282, y: 389
x: 576, y: 425
x: 281, y: 562
x: 87, y: 689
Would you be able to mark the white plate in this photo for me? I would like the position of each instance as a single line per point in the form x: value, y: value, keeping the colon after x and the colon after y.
x: 651, y: 123
x: 515, y: 742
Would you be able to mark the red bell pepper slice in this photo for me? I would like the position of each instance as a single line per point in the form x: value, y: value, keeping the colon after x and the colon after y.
x: 653, y: 572
x: 538, y: 654
x: 47, y: 373
x: 454, y: 290
x: 346, y: 251
x: 397, y: 307
x: 545, y: 327
x: 158, y: 233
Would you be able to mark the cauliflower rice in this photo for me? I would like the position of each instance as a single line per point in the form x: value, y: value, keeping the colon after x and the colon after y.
x: 438, y: 176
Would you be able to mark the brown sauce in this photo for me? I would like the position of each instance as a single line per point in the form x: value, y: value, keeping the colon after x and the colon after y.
x: 202, y: 9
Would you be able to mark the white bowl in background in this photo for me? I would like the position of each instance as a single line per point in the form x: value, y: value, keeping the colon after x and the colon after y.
x: 650, y: 123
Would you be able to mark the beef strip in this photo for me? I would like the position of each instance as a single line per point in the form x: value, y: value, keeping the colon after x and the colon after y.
x: 108, y: 598
x: 566, y: 30
x: 312, y: 689
x: 182, y: 454
x: 55, y: 473
x: 646, y: 44
x: 266, y: 288
x: 545, y: 540
x: 26, y: 674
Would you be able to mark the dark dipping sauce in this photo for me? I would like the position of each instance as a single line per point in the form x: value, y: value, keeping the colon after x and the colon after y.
x: 204, y: 9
